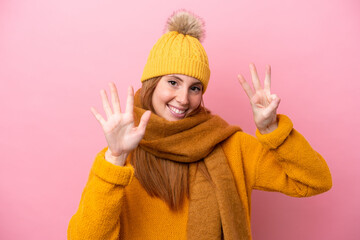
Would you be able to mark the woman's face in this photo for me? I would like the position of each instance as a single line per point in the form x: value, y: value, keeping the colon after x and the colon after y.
x: 176, y: 95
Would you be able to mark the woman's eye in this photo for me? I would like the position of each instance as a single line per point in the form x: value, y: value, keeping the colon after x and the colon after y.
x: 173, y: 83
x: 195, y: 89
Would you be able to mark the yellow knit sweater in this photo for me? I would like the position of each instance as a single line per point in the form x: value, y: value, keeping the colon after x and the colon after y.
x: 115, y: 206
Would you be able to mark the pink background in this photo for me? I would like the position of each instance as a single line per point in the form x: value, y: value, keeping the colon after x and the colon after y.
x: 55, y: 56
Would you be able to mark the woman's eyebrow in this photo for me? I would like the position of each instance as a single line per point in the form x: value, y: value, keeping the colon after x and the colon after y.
x: 198, y: 82
x: 176, y: 77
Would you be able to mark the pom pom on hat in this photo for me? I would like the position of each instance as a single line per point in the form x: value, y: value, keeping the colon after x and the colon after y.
x: 179, y: 50
x: 187, y: 23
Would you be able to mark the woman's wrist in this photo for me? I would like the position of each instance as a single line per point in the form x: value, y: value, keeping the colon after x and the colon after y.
x: 116, y: 160
x: 269, y: 129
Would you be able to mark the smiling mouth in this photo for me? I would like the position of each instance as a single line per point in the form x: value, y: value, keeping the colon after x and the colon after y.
x: 177, y: 112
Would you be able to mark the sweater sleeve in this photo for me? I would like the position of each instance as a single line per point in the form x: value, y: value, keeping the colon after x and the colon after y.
x: 287, y: 163
x: 98, y: 215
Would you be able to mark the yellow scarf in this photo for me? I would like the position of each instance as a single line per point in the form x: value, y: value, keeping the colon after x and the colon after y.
x: 215, y: 210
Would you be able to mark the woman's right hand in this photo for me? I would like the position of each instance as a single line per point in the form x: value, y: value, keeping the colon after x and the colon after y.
x: 120, y: 133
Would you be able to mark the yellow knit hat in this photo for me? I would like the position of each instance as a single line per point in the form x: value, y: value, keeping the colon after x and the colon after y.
x: 179, y: 51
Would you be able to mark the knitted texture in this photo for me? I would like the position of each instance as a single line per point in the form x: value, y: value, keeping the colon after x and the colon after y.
x: 112, y: 173
x: 176, y: 53
x: 110, y: 209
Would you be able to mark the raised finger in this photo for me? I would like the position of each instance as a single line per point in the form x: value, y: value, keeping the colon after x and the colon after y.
x: 115, y: 98
x: 267, y: 82
x: 248, y: 90
x: 98, y: 116
x: 254, y: 77
x: 130, y: 100
x: 105, y: 103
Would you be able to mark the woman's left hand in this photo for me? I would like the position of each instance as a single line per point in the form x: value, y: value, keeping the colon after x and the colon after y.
x: 263, y: 103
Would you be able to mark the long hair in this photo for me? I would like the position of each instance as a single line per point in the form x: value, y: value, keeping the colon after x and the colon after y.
x: 162, y: 178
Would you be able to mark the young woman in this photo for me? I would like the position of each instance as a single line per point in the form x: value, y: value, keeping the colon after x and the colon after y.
x: 172, y: 170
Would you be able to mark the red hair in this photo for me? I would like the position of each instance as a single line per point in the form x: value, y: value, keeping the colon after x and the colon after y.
x: 162, y: 178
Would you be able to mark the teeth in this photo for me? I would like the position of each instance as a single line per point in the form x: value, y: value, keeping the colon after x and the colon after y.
x: 177, y: 110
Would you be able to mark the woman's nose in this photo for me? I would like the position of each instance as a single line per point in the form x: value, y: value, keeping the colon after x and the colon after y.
x: 182, y: 97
